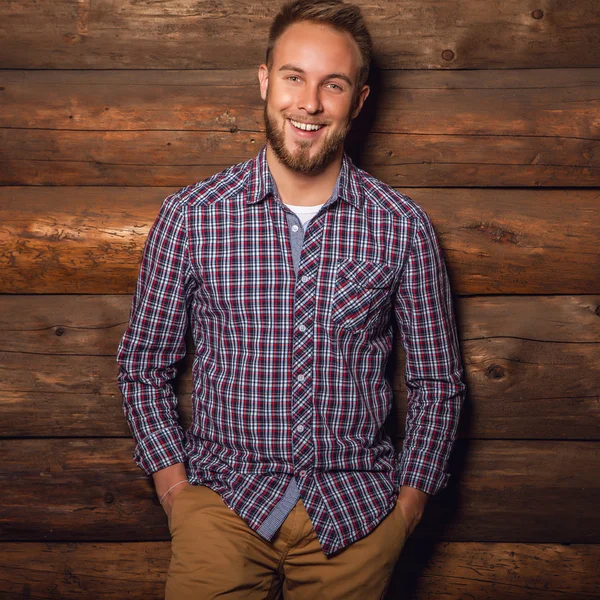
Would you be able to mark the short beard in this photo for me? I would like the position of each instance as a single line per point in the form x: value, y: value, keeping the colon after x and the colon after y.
x: 301, y: 161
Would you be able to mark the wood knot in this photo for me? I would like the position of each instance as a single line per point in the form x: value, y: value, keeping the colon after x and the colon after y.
x: 447, y: 55
x: 109, y: 498
x: 495, y: 233
x: 495, y: 372
x: 59, y: 331
x: 537, y: 14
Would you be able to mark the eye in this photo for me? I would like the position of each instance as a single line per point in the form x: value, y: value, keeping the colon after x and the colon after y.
x: 335, y: 86
x: 293, y: 78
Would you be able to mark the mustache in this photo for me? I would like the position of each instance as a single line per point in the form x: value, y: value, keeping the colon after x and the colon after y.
x: 307, y: 121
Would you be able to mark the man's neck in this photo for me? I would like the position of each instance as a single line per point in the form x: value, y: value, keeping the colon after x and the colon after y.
x: 299, y: 189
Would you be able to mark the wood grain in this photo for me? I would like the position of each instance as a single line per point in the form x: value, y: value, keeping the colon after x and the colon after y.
x: 531, y: 364
x: 67, y: 158
x: 450, y: 570
x: 95, y: 491
x: 563, y: 101
x: 94, y: 324
x: 408, y: 34
x: 89, y: 239
x: 479, y: 128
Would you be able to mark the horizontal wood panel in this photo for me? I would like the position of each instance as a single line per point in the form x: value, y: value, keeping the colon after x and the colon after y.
x: 513, y: 128
x: 555, y: 102
x: 408, y: 34
x: 93, y: 325
x: 89, y: 240
x: 164, y: 158
x: 451, y: 570
x: 531, y: 363
x: 506, y: 491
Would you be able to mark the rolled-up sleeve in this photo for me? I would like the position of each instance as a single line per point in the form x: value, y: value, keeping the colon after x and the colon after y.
x: 155, y: 341
x: 433, y: 371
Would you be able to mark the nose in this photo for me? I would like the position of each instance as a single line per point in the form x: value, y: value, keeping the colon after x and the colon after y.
x: 310, y: 99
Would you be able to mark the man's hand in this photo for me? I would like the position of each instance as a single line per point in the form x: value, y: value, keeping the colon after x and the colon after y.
x: 165, y: 479
x: 412, y: 504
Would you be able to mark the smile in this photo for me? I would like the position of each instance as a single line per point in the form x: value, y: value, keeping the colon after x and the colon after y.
x: 305, y: 126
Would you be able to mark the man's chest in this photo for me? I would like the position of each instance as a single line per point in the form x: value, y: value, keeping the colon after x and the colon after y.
x: 348, y: 266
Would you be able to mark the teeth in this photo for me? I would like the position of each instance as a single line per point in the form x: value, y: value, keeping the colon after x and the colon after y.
x: 305, y: 126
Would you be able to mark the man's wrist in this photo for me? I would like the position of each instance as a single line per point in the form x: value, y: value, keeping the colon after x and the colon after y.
x: 166, y: 479
x: 416, y: 499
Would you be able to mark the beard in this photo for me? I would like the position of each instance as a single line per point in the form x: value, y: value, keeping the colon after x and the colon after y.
x: 301, y: 161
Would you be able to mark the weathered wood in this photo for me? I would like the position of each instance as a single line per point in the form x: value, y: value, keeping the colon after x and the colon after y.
x: 183, y: 34
x: 563, y: 101
x: 531, y: 362
x: 95, y: 491
x: 494, y: 571
x: 165, y: 158
x: 451, y: 570
x: 94, y: 324
x: 89, y: 240
x: 169, y: 128
x: 59, y: 325
x: 517, y: 389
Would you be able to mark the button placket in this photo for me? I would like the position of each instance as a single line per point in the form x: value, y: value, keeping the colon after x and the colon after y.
x: 303, y: 354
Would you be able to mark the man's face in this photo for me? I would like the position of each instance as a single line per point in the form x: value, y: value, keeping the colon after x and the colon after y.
x: 311, y: 97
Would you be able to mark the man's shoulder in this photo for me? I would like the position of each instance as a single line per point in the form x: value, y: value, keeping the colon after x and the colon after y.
x: 224, y: 184
x: 382, y: 196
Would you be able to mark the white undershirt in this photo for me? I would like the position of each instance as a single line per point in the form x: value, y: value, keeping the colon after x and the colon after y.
x: 305, y: 213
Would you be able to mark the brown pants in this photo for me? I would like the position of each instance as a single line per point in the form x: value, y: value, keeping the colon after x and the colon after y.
x: 216, y: 555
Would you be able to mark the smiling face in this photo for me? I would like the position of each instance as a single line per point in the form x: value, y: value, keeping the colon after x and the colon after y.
x: 311, y: 96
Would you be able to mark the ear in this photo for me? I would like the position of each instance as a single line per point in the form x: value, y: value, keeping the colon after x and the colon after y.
x: 362, y: 96
x: 263, y: 79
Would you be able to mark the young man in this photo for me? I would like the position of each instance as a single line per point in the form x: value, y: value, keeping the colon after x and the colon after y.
x: 290, y: 269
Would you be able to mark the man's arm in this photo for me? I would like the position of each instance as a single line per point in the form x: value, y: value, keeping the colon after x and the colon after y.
x: 433, y: 373
x: 153, y: 343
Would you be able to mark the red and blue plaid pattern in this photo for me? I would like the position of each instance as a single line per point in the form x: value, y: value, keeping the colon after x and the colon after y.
x: 289, y: 370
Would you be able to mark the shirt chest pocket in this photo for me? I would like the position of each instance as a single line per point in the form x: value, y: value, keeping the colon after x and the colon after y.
x: 361, y: 295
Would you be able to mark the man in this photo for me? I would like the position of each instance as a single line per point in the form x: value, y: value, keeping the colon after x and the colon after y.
x: 290, y: 269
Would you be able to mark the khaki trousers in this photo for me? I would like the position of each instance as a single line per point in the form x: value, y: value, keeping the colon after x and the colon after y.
x: 216, y: 555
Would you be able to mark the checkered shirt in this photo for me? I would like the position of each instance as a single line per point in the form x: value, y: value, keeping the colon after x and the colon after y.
x: 289, y: 372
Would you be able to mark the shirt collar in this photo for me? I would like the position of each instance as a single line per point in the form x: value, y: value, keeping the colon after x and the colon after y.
x: 260, y: 183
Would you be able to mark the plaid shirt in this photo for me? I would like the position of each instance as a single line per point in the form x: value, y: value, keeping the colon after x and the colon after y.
x: 289, y: 371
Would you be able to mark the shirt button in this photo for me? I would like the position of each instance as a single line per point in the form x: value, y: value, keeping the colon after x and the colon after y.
x: 304, y: 278
x: 295, y: 228
x: 300, y: 428
x: 302, y: 473
x: 302, y: 328
x: 300, y: 377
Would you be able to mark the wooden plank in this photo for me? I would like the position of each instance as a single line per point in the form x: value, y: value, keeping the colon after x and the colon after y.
x: 407, y: 34
x: 93, y: 325
x: 90, y: 239
x: 171, y: 158
x: 452, y: 570
x: 506, y: 491
x: 563, y: 101
x: 493, y: 571
x: 531, y: 362
x: 169, y: 128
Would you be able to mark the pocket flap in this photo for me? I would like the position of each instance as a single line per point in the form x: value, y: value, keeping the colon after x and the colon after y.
x: 365, y: 274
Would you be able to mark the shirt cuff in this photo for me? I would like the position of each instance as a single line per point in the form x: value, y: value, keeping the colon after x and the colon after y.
x: 160, y: 449
x: 421, y: 473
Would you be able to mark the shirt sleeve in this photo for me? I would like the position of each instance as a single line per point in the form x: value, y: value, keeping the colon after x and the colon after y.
x: 434, y: 370
x: 155, y: 341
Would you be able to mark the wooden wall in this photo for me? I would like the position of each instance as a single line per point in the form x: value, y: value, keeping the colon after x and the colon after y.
x: 486, y: 113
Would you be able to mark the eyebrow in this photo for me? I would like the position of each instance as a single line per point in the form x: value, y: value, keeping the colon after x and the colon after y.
x: 341, y: 76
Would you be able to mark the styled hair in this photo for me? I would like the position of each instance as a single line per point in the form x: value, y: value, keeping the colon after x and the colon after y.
x: 336, y: 14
